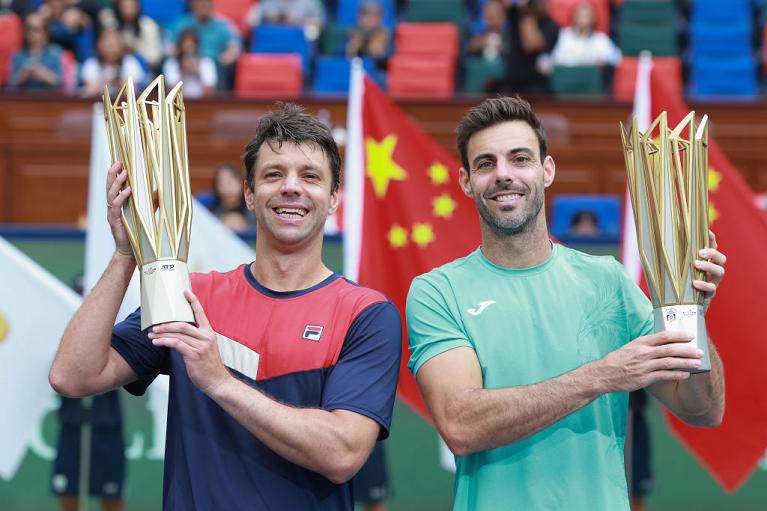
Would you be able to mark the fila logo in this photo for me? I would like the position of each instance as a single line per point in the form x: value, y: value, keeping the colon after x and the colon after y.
x: 312, y: 332
x: 482, y: 306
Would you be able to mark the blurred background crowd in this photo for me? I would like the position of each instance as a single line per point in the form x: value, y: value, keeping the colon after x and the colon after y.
x: 413, y: 48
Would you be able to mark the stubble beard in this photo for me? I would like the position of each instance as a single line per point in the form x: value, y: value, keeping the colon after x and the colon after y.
x: 504, y: 226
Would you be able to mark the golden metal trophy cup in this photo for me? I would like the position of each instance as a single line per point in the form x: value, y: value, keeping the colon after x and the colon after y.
x: 149, y: 137
x: 667, y: 178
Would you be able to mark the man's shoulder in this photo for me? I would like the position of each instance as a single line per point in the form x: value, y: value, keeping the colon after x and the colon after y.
x: 453, y: 269
x: 599, y: 264
x: 356, y: 296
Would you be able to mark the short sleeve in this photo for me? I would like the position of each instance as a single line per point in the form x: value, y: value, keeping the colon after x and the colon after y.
x: 146, y: 359
x: 364, y: 380
x: 638, y: 307
x: 432, y: 327
x: 208, y: 74
x: 90, y: 72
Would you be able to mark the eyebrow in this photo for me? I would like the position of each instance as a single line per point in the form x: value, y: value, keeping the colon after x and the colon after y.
x: 513, y: 151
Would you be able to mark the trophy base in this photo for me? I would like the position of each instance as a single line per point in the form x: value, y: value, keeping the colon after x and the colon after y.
x: 162, y: 293
x: 685, y: 318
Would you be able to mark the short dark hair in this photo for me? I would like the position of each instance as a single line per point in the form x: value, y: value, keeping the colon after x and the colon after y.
x: 289, y: 123
x: 494, y: 111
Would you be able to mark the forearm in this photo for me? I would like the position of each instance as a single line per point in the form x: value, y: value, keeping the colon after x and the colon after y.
x: 482, y: 419
x: 530, y: 35
x: 309, y: 437
x: 81, y: 363
x: 700, y: 400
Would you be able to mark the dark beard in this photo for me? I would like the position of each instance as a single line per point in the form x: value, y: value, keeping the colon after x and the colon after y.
x: 506, y: 229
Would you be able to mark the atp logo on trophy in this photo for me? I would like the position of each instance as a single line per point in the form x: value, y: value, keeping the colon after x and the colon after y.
x: 667, y: 178
x: 148, y: 135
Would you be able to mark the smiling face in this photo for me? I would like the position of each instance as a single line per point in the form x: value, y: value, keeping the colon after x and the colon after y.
x: 291, y: 193
x: 506, y: 178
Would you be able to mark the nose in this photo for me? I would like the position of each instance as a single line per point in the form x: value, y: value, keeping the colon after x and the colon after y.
x: 503, y: 171
x: 291, y: 185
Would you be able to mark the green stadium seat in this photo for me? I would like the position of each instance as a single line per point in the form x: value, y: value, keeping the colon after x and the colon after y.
x: 580, y: 80
x: 478, y: 72
x: 435, y: 11
x: 659, y: 39
x: 333, y: 39
x: 647, y: 12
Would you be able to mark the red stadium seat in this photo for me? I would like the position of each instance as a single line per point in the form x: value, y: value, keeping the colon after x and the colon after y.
x: 562, y: 12
x: 68, y: 72
x: 626, y: 75
x: 235, y: 10
x: 10, y: 40
x: 427, y: 39
x: 418, y: 76
x: 269, y: 75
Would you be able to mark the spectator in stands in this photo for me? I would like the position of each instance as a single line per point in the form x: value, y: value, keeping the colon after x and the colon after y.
x: 66, y: 23
x: 532, y: 36
x: 309, y: 14
x: 141, y: 34
x: 111, y: 66
x: 38, y: 64
x: 228, y: 199
x: 582, y: 45
x: 488, y: 42
x: 370, y: 38
x: 198, y: 72
x: 584, y: 223
x: 218, y: 39
x: 21, y: 8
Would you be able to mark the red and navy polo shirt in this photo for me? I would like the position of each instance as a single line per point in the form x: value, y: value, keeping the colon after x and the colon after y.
x: 333, y: 346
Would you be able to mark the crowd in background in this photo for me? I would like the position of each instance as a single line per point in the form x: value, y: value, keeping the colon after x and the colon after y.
x: 79, y: 46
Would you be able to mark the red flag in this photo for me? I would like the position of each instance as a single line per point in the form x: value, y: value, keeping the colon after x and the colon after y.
x: 735, y: 319
x: 414, y: 216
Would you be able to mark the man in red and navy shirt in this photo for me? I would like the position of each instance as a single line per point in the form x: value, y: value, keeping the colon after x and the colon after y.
x: 281, y: 389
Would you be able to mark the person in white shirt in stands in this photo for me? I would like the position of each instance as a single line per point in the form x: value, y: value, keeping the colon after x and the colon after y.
x: 111, y: 66
x: 196, y: 71
x: 582, y: 45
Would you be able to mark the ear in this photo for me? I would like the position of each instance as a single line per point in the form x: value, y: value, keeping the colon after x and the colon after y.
x: 549, y: 170
x: 248, y: 195
x: 464, y: 180
x: 335, y: 200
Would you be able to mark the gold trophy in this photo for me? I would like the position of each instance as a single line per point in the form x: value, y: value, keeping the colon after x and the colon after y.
x: 667, y: 179
x: 149, y: 137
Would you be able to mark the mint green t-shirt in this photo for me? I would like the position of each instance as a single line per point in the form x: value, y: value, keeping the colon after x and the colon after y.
x: 527, y: 326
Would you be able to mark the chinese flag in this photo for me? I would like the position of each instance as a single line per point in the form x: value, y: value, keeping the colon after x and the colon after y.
x: 404, y: 212
x: 735, y: 320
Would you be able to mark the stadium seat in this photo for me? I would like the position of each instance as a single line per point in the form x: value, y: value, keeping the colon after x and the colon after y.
x: 281, y: 39
x: 478, y: 73
x: 269, y: 76
x: 348, y: 9
x: 607, y: 209
x: 166, y: 12
x: 732, y: 77
x: 234, y: 10
x: 722, y: 40
x: 425, y: 11
x: 625, y: 77
x: 421, y: 76
x: 11, y: 30
x: 440, y: 39
x: 562, y: 12
x: 580, y: 80
x: 660, y: 40
x: 333, y: 39
x: 716, y: 12
x: 647, y: 12
x: 68, y: 72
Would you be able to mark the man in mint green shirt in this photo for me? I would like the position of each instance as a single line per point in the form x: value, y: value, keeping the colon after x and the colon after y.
x: 524, y: 350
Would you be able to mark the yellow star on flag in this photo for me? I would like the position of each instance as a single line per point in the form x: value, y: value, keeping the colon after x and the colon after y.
x: 422, y: 234
x: 438, y: 174
x: 397, y: 236
x: 4, y: 328
x: 381, y: 166
x: 444, y: 205
x: 714, y: 178
x: 713, y: 214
